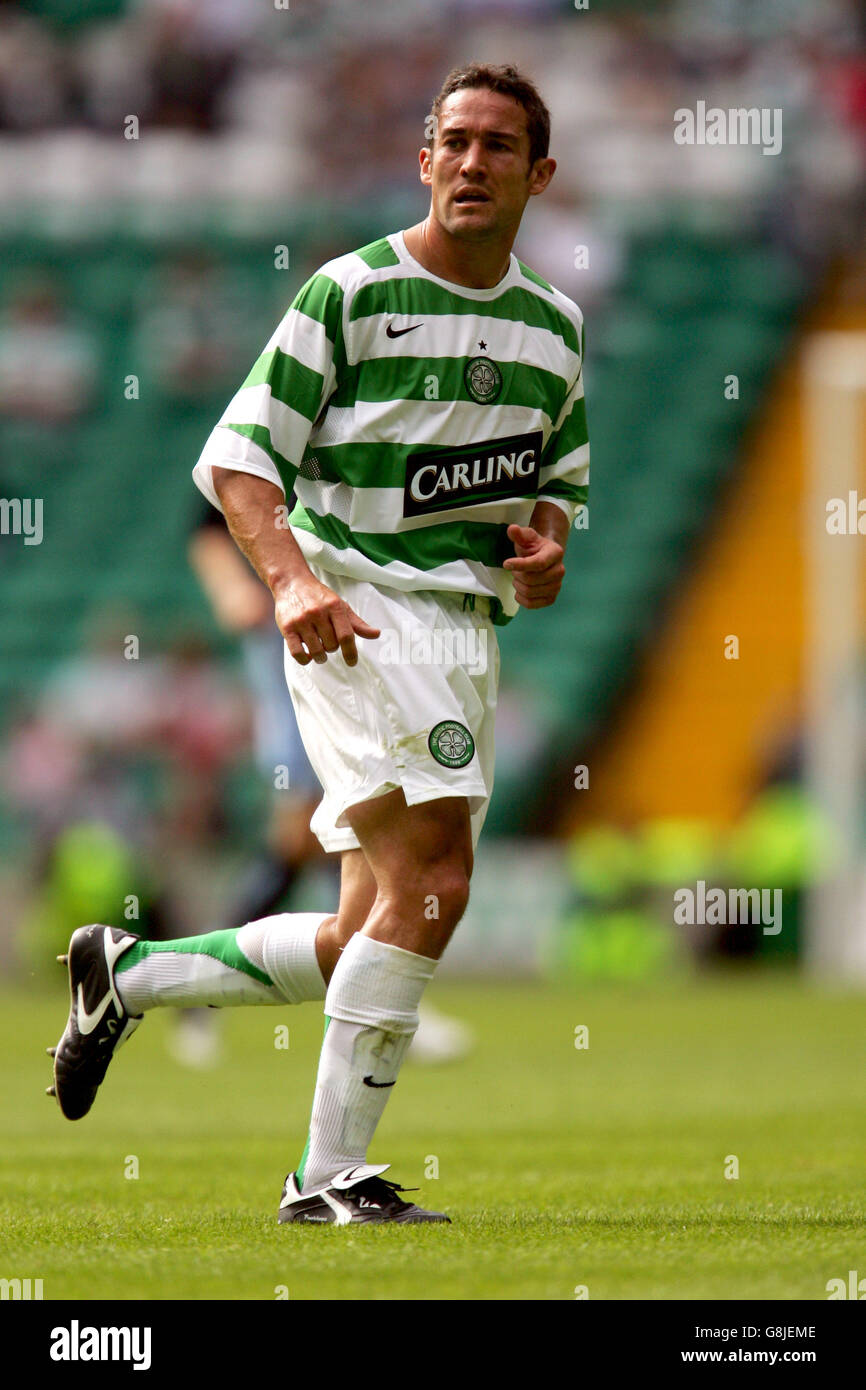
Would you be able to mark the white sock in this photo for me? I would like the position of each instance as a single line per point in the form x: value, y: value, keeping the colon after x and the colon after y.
x: 271, y: 961
x: 288, y: 953
x: 371, y: 1011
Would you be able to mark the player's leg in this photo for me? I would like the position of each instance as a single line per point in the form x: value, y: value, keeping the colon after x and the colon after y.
x: 115, y: 977
x: 286, y: 958
x: 357, y: 894
x: 421, y: 859
x: 195, y: 1038
x: 384, y: 724
x: 439, y: 1038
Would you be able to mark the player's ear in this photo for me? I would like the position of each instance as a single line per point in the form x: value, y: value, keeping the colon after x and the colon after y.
x: 424, y: 160
x: 540, y: 175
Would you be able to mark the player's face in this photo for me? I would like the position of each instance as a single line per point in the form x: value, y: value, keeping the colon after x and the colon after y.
x: 478, y: 169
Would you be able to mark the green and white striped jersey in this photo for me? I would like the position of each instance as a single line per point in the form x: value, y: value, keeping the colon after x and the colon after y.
x: 415, y: 420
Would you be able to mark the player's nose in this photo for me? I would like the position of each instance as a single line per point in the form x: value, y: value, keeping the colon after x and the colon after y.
x: 473, y: 159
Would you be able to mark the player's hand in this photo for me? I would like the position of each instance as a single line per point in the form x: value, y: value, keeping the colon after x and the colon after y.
x: 240, y: 607
x: 315, y: 621
x: 537, y: 568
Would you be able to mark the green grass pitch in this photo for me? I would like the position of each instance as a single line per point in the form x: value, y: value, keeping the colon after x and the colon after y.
x: 563, y: 1168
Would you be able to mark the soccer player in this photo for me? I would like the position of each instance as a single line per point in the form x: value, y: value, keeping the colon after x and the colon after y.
x: 424, y: 398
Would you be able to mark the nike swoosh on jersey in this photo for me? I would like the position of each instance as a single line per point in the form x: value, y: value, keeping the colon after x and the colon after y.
x: 368, y: 1081
x: 398, y: 332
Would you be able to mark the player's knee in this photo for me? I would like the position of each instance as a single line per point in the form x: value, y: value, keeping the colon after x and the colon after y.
x: 446, y: 895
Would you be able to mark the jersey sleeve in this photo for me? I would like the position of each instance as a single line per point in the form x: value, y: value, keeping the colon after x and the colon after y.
x: 267, y: 424
x: 564, y: 477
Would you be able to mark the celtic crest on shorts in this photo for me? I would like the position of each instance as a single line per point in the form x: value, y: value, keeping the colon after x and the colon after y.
x: 451, y: 744
x: 483, y: 379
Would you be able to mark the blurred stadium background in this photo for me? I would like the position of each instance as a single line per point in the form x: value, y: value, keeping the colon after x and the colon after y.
x: 143, y: 267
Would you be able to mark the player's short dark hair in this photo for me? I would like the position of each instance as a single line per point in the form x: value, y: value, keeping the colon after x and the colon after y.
x: 508, y: 82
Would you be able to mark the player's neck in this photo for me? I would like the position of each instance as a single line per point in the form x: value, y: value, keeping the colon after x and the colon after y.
x: 477, y: 265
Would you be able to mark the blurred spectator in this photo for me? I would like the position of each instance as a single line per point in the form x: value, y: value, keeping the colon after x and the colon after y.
x: 41, y: 765
x: 202, y: 726
x: 199, y: 332
x: 128, y: 733
x: 192, y: 59
x: 563, y: 241
x: 125, y: 755
x: 370, y: 121
x: 33, y: 92
x: 171, y: 62
x: 48, y: 366
x: 113, y: 75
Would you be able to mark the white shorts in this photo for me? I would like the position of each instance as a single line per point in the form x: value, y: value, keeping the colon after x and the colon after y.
x: 417, y: 712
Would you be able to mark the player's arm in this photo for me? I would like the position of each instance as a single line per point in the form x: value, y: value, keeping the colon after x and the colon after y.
x: 537, y: 566
x: 238, y: 600
x: 312, y: 618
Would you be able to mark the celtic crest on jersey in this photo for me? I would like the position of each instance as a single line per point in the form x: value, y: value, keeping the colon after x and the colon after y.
x: 483, y: 379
